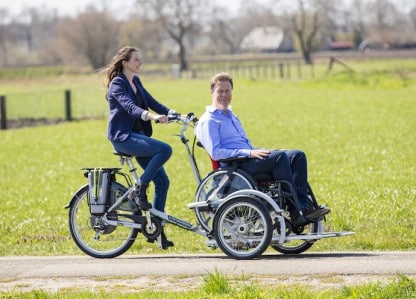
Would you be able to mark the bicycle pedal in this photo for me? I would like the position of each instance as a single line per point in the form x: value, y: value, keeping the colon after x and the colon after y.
x: 99, y: 227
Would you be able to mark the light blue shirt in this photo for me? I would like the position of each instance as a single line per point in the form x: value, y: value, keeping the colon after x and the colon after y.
x: 222, y: 135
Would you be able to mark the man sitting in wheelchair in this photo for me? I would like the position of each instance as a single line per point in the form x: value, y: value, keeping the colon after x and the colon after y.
x: 223, y: 137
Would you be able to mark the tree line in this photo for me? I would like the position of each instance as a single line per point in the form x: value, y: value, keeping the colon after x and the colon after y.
x: 176, y: 30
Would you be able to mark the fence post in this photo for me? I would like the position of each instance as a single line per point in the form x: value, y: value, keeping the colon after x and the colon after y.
x: 281, y: 70
x: 3, y: 123
x: 68, y: 105
x: 289, y: 66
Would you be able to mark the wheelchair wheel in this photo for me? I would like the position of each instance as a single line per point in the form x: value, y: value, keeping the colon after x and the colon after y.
x: 243, y: 228
x: 298, y: 246
x: 213, y: 188
x: 91, y: 234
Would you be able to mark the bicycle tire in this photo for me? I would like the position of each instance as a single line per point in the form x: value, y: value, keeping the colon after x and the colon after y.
x: 243, y: 228
x: 239, y: 180
x: 113, y: 242
x: 299, y: 246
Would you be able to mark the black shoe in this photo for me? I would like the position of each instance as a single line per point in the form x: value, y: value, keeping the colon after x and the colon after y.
x: 165, y: 242
x: 312, y: 214
x: 297, y: 219
x: 141, y: 197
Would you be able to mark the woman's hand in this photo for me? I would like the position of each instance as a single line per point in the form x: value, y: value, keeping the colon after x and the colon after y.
x: 163, y: 119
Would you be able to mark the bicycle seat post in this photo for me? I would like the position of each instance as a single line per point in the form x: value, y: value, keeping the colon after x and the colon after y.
x: 128, y: 160
x: 132, y: 170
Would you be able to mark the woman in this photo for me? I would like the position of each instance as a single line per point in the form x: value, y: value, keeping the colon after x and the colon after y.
x: 130, y: 128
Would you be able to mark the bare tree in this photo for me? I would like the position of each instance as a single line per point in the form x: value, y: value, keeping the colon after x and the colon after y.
x: 4, y: 36
x: 145, y: 34
x: 413, y: 17
x: 314, y: 24
x: 384, y: 19
x: 306, y: 26
x: 180, y: 19
x: 225, y: 34
x: 357, y: 23
x: 93, y: 34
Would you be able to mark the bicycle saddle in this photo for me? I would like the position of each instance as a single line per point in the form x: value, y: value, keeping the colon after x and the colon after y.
x: 121, y: 154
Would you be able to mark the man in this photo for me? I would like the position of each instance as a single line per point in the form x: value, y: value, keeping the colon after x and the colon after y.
x: 222, y: 135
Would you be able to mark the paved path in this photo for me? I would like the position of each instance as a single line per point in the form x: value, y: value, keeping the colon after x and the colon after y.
x: 58, y: 270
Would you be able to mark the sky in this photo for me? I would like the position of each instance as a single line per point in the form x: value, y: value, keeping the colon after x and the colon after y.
x: 73, y: 7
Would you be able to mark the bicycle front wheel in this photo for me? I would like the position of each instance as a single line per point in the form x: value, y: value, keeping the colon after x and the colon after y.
x: 89, y: 232
x: 243, y: 228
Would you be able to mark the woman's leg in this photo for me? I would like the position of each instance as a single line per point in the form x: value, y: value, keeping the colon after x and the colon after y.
x: 156, y: 152
x: 161, y: 181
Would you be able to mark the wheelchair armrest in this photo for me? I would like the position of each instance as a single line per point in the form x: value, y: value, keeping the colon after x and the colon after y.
x: 238, y: 159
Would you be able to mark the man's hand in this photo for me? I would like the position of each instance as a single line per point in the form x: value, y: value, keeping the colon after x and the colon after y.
x: 259, y: 153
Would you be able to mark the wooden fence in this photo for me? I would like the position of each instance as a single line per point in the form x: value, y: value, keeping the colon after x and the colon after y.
x: 260, y: 71
x: 3, y: 110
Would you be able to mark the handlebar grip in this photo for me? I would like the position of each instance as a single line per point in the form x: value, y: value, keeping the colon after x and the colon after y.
x: 171, y: 117
x: 178, y: 116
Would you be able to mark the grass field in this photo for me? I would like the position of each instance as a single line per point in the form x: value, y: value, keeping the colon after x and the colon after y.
x: 358, y: 130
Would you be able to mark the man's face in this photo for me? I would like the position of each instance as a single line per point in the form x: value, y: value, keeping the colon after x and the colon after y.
x: 221, y: 95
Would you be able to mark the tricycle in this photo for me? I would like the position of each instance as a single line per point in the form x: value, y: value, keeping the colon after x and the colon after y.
x: 241, y: 215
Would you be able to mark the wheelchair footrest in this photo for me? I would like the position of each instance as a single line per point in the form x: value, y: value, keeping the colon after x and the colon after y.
x: 201, y: 204
x: 318, y: 236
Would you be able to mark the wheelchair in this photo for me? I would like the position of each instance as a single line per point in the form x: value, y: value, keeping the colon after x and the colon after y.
x: 224, y: 181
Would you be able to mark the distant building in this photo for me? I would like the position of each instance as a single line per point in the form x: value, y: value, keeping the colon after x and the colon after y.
x: 341, y: 46
x: 267, y: 40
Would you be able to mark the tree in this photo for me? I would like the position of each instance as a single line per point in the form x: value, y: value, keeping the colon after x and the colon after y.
x: 93, y: 34
x: 180, y: 19
x: 145, y: 35
x: 4, y: 36
x: 413, y: 17
x: 306, y: 27
x: 308, y: 24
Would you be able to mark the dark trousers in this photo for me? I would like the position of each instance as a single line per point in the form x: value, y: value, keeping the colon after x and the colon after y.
x: 289, y: 165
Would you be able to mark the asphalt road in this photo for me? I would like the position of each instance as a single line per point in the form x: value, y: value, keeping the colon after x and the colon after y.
x: 45, y: 272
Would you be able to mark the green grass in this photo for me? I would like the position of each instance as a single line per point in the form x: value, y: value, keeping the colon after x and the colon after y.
x: 358, y: 130
x: 219, y: 286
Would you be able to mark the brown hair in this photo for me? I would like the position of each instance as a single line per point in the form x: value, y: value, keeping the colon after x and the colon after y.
x: 221, y: 77
x: 115, y: 67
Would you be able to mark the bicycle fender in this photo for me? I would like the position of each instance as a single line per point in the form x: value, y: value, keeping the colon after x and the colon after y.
x: 74, y: 197
x: 258, y: 194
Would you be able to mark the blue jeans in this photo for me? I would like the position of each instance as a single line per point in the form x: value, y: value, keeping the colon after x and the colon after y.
x: 151, y: 154
x: 290, y: 165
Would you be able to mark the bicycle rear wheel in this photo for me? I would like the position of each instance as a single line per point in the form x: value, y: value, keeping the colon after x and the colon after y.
x: 112, y: 240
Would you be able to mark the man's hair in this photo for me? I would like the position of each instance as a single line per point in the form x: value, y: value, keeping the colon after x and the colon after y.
x: 221, y: 77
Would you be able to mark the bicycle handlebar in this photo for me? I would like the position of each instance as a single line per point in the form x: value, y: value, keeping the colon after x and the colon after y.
x: 190, y: 117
